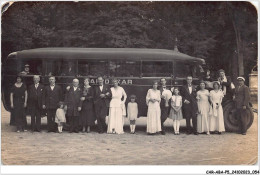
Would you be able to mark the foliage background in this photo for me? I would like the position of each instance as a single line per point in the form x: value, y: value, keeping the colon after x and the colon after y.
x: 220, y: 32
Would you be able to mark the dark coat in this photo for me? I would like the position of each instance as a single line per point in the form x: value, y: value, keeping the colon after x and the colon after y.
x: 51, y: 98
x: 192, y: 106
x: 35, y: 96
x: 229, y: 91
x: 72, y: 100
x: 102, y: 101
x: 242, y: 97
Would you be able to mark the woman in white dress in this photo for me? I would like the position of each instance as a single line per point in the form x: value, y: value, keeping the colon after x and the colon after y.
x: 153, y: 99
x: 116, y: 110
x: 216, y: 120
x: 203, y: 109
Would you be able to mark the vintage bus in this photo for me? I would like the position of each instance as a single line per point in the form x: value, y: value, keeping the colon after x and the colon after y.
x: 136, y: 69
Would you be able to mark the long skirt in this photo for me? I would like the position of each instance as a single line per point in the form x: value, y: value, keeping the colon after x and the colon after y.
x: 216, y: 123
x: 19, y: 114
x: 153, y: 118
x: 115, y: 120
x: 87, y: 115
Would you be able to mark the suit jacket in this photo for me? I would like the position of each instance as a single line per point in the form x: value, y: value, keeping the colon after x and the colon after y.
x: 102, y: 101
x: 229, y: 92
x: 190, y: 97
x: 35, y: 96
x: 242, y: 96
x: 72, y: 100
x: 51, y: 98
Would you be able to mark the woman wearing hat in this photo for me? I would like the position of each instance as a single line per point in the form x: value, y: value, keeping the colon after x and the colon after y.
x: 216, y: 121
x: 242, y: 99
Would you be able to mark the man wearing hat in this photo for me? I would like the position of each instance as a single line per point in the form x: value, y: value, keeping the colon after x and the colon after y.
x: 226, y: 85
x: 26, y: 70
x: 242, y: 99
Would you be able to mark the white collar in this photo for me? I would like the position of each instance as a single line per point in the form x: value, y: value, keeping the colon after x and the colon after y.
x: 224, y: 79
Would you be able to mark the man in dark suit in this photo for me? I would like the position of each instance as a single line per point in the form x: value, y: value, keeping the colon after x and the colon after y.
x: 190, y: 107
x: 226, y: 85
x: 72, y: 100
x: 242, y: 99
x: 35, y: 94
x: 102, y: 96
x: 52, y: 96
x: 164, y: 104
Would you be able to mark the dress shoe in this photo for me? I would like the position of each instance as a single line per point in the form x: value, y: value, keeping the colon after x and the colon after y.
x: 244, y: 133
x: 196, y: 133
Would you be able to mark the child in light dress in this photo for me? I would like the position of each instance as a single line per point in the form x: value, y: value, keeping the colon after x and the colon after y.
x: 132, y: 113
x: 175, y: 112
x: 60, y: 116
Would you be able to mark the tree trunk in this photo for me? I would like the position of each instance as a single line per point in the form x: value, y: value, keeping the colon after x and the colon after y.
x: 239, y: 44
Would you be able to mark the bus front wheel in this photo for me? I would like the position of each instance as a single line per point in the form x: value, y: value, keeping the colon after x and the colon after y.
x: 231, y: 119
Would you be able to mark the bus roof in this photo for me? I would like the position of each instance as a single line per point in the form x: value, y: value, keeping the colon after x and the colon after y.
x: 103, y: 53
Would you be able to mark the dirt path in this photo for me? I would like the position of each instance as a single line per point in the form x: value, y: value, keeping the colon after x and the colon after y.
x: 140, y: 149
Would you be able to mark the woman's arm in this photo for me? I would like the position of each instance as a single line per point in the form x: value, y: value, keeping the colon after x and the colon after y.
x: 210, y: 98
x: 198, y: 100
x: 148, y: 97
x: 159, y: 97
x: 12, y: 100
x: 25, y: 99
x: 125, y: 96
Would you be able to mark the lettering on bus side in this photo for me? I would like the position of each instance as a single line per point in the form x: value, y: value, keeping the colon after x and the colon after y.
x: 108, y: 81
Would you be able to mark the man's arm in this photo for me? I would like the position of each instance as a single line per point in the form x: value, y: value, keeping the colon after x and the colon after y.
x: 228, y: 83
x: 247, y: 96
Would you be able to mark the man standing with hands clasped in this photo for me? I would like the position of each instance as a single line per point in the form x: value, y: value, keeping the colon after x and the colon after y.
x: 72, y: 100
x: 242, y: 99
x: 190, y: 107
x: 52, y: 96
x: 102, y: 96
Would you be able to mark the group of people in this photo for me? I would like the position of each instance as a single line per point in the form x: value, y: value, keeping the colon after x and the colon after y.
x: 81, y: 107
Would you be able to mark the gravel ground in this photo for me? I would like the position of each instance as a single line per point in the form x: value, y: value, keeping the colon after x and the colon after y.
x: 44, y: 148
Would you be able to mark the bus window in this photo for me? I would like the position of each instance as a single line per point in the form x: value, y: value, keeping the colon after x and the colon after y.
x: 26, y: 67
x: 68, y: 68
x: 51, y: 67
x: 98, y: 68
x: 124, y: 68
x: 182, y: 69
x: 83, y: 68
x: 197, y: 71
x: 156, y: 68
